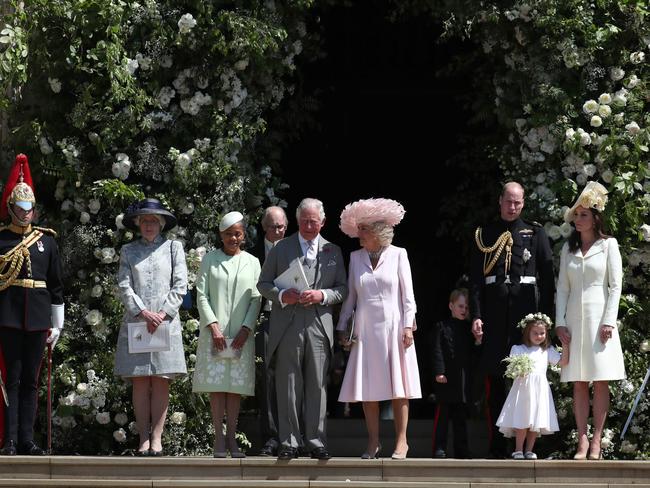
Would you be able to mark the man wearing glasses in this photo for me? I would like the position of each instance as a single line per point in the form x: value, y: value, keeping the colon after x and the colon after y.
x: 274, y: 224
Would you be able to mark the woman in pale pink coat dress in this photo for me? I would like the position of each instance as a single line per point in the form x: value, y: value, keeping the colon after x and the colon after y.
x: 382, y: 364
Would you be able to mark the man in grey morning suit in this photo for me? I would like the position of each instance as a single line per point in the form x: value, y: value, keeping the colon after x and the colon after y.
x: 301, y: 330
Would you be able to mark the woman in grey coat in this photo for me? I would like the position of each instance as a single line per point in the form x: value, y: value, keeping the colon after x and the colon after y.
x: 152, y: 280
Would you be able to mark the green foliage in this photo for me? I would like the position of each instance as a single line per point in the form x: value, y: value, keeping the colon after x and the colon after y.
x: 565, y: 85
x: 114, y: 100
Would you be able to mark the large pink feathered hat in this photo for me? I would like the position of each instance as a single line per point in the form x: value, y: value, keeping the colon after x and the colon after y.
x: 370, y: 211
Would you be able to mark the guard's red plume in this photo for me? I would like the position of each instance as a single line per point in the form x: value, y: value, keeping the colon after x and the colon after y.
x: 19, y: 173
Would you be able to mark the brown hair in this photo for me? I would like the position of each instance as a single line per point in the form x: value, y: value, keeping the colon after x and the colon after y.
x: 457, y: 293
x: 525, y: 334
x: 599, y: 228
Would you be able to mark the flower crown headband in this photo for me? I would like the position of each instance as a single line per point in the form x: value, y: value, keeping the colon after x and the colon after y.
x: 535, y: 317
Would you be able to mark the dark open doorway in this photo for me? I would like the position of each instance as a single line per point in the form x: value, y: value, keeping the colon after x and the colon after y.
x: 387, y: 124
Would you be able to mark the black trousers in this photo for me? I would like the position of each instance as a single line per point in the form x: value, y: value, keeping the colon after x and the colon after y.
x: 23, y: 352
x: 457, y: 412
x: 495, y: 397
x: 266, y: 397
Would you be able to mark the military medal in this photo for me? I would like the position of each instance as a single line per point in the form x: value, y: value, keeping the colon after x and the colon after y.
x: 40, y: 246
x: 526, y: 255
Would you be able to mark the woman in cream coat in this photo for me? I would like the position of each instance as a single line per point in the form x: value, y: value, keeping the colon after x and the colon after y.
x: 228, y: 303
x: 588, y: 292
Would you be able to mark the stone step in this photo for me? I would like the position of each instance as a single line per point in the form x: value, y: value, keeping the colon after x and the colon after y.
x: 116, y: 471
x: 71, y: 483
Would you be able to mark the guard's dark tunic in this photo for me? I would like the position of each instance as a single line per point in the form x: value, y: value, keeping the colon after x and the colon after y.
x: 25, y: 318
x: 501, y: 305
x: 501, y: 300
x: 29, y: 308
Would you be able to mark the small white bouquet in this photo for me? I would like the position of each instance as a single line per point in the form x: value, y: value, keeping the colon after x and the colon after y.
x: 518, y: 366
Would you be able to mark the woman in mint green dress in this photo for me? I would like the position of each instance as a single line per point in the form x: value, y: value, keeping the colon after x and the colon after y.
x: 228, y: 304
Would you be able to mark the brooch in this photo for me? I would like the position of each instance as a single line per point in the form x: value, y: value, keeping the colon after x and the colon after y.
x: 526, y: 255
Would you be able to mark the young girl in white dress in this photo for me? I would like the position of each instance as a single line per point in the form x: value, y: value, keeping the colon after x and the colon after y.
x: 529, y: 412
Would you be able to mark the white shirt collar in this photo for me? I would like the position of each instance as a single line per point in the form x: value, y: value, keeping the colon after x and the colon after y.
x: 303, y: 242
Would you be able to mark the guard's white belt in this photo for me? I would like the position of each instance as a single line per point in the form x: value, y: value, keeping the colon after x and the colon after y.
x: 524, y: 280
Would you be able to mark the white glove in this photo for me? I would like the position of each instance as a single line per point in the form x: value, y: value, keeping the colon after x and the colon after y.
x: 53, y: 337
x: 58, y: 315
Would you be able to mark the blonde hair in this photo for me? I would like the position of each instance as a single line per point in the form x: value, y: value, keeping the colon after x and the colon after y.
x: 457, y: 293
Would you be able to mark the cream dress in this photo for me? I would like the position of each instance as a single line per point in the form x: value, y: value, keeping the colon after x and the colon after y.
x: 588, y: 292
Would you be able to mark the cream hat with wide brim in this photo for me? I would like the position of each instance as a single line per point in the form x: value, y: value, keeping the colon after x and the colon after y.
x: 593, y: 196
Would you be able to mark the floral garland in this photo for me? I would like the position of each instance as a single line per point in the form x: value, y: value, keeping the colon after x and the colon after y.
x: 535, y: 317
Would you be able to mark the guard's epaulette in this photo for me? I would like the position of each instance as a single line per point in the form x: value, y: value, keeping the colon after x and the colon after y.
x: 46, y: 230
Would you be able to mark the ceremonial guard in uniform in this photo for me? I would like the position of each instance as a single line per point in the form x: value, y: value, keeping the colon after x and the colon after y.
x: 511, y: 276
x: 31, y: 306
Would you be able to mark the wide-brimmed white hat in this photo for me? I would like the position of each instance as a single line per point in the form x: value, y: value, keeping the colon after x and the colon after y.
x: 593, y: 196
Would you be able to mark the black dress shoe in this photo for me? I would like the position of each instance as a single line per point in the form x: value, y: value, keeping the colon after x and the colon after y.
x: 288, y: 453
x: 268, y: 451
x: 153, y: 453
x: 320, y: 453
x: 30, y: 449
x: 440, y: 454
x: 144, y: 453
x: 9, y: 449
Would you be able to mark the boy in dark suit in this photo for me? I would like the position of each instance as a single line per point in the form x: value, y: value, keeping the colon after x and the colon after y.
x: 452, y: 354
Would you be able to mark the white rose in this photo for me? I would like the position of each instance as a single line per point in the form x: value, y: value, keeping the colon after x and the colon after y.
x: 118, y: 221
x: 192, y: 358
x: 133, y: 427
x: 84, y: 218
x: 241, y: 65
x: 631, y: 82
x: 82, y: 388
x: 596, y: 121
x: 540, y: 178
x: 178, y: 418
x: 91, y: 375
x: 183, y: 161
x: 103, y: 418
x: 192, y: 325
x: 97, y: 291
x: 605, y: 99
x: 645, y: 346
x: 94, y: 205
x: 637, y: 57
x: 607, y: 176
x: 554, y: 232
x: 585, y: 139
x: 570, y: 132
x: 590, y: 107
x: 565, y: 230
x: 186, y: 23
x: 93, y: 317
x: 616, y: 73
x: 55, y: 84
x: 589, y: 169
x: 144, y: 62
x: 645, y: 232
x: 619, y: 119
x: 121, y: 419
x: 633, y: 128
x: 119, y: 435
x: 604, y: 111
x: 581, y: 179
x: 131, y: 65
x: 188, y: 208
x: 107, y: 255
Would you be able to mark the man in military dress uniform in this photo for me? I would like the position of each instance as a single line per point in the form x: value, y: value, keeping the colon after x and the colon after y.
x: 31, y: 306
x: 511, y: 276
